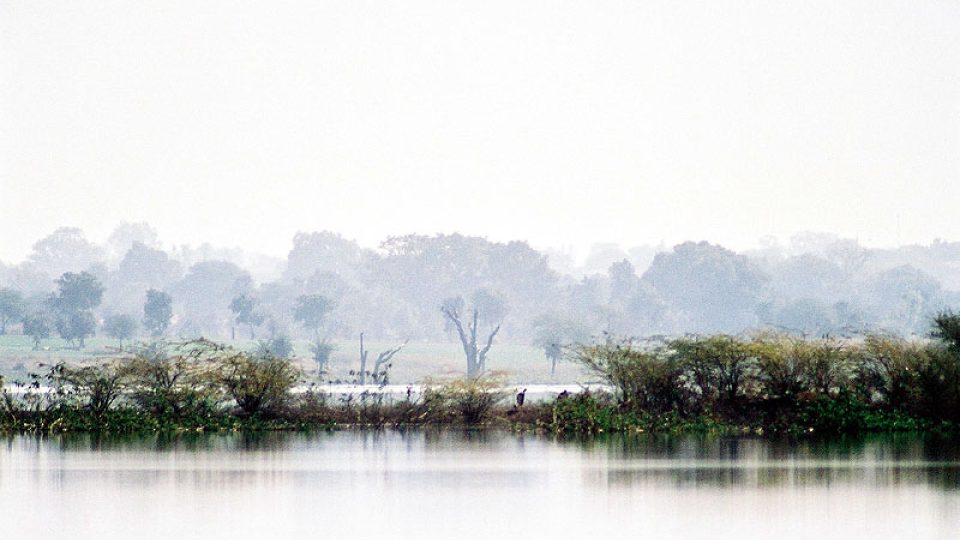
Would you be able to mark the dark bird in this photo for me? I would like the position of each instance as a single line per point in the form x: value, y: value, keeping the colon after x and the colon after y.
x: 521, y: 397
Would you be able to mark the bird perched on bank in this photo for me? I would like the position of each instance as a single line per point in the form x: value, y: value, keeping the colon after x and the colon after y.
x: 521, y: 397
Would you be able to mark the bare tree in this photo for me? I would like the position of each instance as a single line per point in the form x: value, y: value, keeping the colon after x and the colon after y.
x: 476, y: 355
x: 379, y: 376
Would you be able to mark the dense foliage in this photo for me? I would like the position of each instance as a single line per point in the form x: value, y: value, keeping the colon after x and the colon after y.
x: 763, y: 383
x: 330, y: 287
x: 775, y: 382
x: 202, y: 385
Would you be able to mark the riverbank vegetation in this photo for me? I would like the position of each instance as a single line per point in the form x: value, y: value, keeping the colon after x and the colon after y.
x: 761, y: 383
x: 202, y: 385
x: 773, y: 383
x: 71, y: 298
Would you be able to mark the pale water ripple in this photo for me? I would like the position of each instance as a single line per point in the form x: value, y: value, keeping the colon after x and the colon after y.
x: 426, y: 484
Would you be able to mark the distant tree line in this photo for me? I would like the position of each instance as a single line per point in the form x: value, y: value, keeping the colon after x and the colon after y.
x: 465, y: 290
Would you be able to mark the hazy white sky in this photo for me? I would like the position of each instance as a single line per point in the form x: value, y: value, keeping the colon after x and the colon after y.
x: 557, y: 122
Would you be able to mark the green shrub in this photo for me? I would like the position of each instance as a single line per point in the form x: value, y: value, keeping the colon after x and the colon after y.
x: 792, y: 367
x: 842, y: 413
x: 767, y: 381
x: 831, y: 366
x: 170, y: 385
x: 946, y: 329
x: 585, y: 412
x: 643, y: 379
x: 939, y: 378
x: 784, y: 365
x: 472, y: 398
x: 888, y: 371
x: 255, y: 384
x: 278, y: 346
x: 97, y: 386
x: 939, y: 381
x: 845, y: 413
x: 321, y: 349
x: 720, y: 368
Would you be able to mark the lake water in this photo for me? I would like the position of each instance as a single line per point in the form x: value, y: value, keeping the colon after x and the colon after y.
x: 425, y: 484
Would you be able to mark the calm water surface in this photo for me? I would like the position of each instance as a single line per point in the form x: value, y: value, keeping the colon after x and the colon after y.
x: 476, y: 485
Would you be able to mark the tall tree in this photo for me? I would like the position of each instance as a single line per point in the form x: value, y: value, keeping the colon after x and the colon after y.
x: 147, y: 267
x: 37, y: 326
x: 467, y: 320
x: 321, y: 349
x: 325, y: 252
x: 903, y: 297
x: 205, y: 293
x: 623, y: 281
x: 278, y: 346
x: 126, y: 235
x: 713, y: 288
x: 120, y: 327
x: 423, y: 270
x: 245, y: 311
x: 76, y: 327
x: 64, y: 250
x: 11, y: 308
x: 77, y: 294
x: 157, y: 312
x: 553, y: 333
x: 311, y: 311
x: 381, y: 365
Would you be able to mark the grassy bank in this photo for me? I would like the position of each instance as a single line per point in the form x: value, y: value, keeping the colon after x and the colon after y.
x: 759, y: 384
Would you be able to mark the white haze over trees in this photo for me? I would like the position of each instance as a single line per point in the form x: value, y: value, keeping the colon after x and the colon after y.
x: 407, y: 288
x: 547, y: 160
x: 242, y: 122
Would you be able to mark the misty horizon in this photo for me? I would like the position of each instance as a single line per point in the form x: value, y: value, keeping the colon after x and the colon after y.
x: 815, y: 283
x: 794, y: 244
x: 640, y: 124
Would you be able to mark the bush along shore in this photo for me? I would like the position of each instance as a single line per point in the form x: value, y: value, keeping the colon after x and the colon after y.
x: 770, y: 383
x: 201, y: 385
x: 763, y: 383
